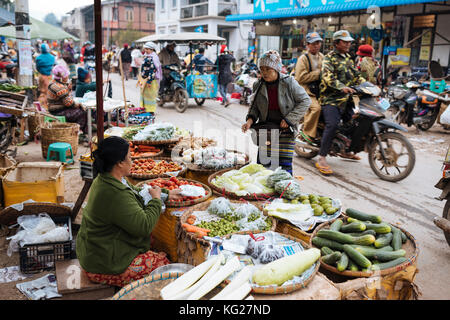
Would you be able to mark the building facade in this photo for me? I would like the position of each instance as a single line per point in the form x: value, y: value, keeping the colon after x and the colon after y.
x: 176, y: 16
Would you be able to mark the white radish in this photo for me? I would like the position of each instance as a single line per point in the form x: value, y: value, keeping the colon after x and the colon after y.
x: 242, y: 277
x: 187, y: 279
x: 240, y: 293
x: 206, y: 277
x: 231, y: 266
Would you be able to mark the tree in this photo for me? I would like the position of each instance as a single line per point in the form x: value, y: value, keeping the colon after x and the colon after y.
x: 52, y: 19
x: 128, y: 35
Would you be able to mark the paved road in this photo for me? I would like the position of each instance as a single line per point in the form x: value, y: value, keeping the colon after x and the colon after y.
x: 410, y: 202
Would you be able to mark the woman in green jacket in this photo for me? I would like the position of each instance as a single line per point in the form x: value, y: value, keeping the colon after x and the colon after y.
x: 113, y: 243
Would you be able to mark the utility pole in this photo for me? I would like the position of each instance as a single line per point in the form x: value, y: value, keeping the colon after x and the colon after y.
x: 23, y: 36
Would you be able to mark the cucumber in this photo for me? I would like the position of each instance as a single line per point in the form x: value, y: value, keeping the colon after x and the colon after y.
x: 378, y: 227
x: 396, y: 242
x: 345, y: 238
x: 356, y: 226
x: 383, y: 240
x: 386, y: 248
x: 322, y: 242
x: 336, y: 225
x: 358, y: 234
x: 332, y: 258
x: 356, y: 256
x: 404, y: 237
x: 325, y: 250
x: 381, y: 255
x: 352, y: 266
x: 390, y: 264
x: 356, y: 214
x: 342, y: 262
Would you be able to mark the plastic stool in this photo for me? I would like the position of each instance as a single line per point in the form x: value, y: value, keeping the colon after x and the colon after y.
x: 60, y: 148
x: 437, y: 86
x: 60, y: 118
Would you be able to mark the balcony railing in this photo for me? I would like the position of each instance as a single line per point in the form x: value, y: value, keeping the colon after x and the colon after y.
x: 193, y: 11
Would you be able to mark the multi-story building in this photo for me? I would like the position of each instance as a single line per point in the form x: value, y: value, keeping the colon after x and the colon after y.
x: 117, y: 15
x: 174, y: 16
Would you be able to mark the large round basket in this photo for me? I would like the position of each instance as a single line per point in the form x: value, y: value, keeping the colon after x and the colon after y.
x: 231, y: 195
x: 411, y: 248
x: 52, y: 132
x: 155, y: 155
x: 160, y: 142
x: 172, y: 204
x: 191, y: 249
x: 9, y: 215
x: 148, y: 288
x: 197, y: 168
x: 275, y: 289
x: 154, y: 176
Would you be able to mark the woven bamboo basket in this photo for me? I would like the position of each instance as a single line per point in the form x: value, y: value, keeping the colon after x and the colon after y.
x: 172, y: 204
x: 154, y: 176
x: 411, y: 248
x: 231, y: 195
x: 158, y: 154
x: 6, y: 164
x: 147, y: 288
x: 34, y: 124
x: 191, y: 249
x: 52, y: 132
x: 9, y: 215
x: 161, y: 142
x: 275, y: 289
x: 194, y: 167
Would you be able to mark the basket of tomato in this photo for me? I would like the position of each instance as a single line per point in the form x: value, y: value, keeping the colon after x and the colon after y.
x: 152, y: 168
x: 174, y: 183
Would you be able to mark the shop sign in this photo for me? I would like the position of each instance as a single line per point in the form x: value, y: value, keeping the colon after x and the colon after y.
x: 424, y: 53
x: 390, y: 50
x: 377, y: 34
x: 427, y: 21
x: 401, y: 58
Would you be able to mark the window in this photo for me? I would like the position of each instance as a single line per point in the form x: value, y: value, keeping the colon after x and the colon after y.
x: 129, y: 13
x: 163, y: 5
x: 174, y: 3
x: 115, y: 14
x: 173, y: 29
x: 150, y: 15
x: 161, y: 30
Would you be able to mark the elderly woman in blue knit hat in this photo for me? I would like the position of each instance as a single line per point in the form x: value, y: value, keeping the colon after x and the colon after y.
x: 84, y: 83
x: 278, y: 103
x: 150, y: 77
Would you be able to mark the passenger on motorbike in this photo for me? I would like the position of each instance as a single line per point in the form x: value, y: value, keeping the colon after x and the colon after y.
x: 338, y: 75
x: 167, y: 57
x: 200, y: 61
x: 307, y: 74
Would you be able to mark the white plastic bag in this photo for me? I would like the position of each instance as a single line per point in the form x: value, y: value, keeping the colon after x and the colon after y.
x: 445, y: 116
x: 192, y: 191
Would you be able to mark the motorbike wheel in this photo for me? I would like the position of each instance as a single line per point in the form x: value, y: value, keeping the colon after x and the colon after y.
x: 446, y: 215
x: 303, y: 151
x: 393, y: 113
x: 199, y: 101
x: 430, y: 123
x: 391, y: 170
x: 181, y: 100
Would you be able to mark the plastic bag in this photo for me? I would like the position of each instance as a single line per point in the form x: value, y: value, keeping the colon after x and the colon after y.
x: 245, y: 210
x: 254, y: 248
x: 290, y: 189
x: 445, y: 116
x: 192, y: 191
x: 220, y: 207
x: 270, y: 253
x: 278, y: 175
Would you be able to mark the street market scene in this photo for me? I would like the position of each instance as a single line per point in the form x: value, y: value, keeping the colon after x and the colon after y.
x: 224, y: 150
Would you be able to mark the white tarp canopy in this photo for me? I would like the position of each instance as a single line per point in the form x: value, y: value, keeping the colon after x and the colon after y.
x: 185, y: 37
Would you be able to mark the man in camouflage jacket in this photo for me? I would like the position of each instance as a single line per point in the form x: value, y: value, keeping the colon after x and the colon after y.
x: 337, y: 76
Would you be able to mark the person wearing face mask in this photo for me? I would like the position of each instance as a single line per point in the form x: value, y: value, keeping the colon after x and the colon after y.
x: 277, y: 106
x: 338, y: 75
x: 113, y: 243
x: 307, y: 74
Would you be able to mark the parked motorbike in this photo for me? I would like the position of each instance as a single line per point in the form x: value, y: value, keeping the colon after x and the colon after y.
x: 411, y: 104
x: 174, y: 89
x: 444, y: 185
x: 7, y: 65
x: 391, y: 155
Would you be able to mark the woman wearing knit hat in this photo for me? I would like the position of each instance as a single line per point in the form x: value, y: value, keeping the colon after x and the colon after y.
x: 278, y: 104
x: 366, y: 64
x: 150, y: 77
x: 60, y: 101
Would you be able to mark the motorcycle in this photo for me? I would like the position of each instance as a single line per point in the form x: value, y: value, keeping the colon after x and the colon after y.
x: 7, y: 65
x: 444, y: 185
x: 411, y: 104
x: 174, y: 89
x: 368, y: 131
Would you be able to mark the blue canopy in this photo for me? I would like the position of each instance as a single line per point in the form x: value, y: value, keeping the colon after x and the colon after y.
x: 311, y: 10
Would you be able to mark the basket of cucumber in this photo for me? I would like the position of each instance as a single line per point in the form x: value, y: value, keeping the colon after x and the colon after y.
x: 363, y: 245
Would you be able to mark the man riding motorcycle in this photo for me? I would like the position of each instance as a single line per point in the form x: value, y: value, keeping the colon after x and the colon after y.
x: 337, y: 76
x: 167, y: 57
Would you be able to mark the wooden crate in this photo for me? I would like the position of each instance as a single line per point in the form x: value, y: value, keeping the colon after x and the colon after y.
x: 39, y: 181
x: 288, y: 228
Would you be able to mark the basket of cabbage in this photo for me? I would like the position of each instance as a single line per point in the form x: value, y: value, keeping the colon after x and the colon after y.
x: 248, y: 182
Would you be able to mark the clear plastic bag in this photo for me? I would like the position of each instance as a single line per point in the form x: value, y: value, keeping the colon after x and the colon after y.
x: 220, y: 207
x: 270, y: 253
x: 245, y: 210
x: 278, y: 175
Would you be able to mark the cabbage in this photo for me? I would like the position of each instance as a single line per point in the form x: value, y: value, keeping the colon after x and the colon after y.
x: 252, y: 168
x: 226, y: 183
x: 253, y: 188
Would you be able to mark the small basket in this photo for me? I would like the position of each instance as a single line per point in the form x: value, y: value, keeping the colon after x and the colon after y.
x: 411, y: 248
x: 40, y: 257
x: 8, y: 216
x: 231, y: 195
x: 52, y: 132
x: 171, y: 204
x: 155, y: 176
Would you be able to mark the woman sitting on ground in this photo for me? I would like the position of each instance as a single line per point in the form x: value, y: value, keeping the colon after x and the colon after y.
x: 60, y: 100
x: 113, y: 244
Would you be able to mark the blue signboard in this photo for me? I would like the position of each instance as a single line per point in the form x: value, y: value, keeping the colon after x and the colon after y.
x: 260, y: 6
x: 202, y: 86
x: 199, y: 29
